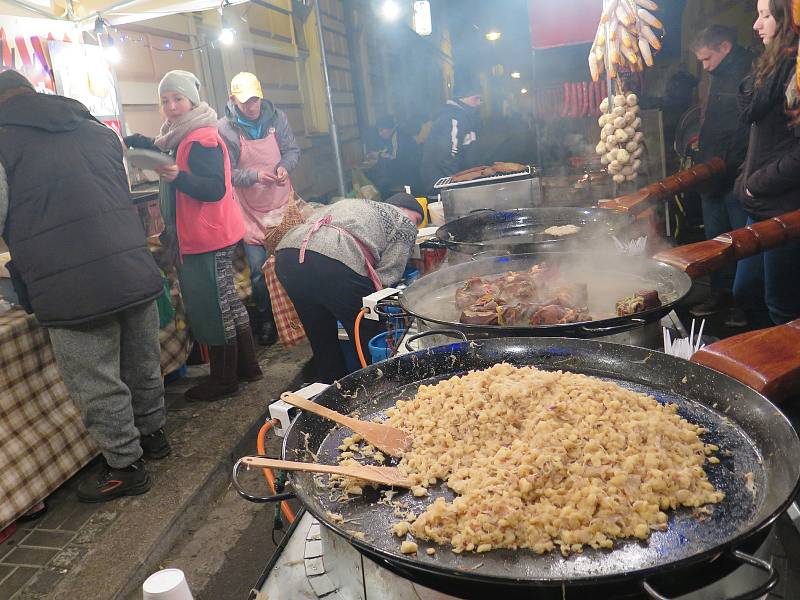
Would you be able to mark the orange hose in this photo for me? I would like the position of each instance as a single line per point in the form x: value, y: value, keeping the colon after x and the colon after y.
x: 357, y: 341
x: 262, y: 450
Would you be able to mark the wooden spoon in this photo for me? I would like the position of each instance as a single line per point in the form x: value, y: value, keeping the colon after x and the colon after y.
x: 384, y: 475
x: 386, y: 439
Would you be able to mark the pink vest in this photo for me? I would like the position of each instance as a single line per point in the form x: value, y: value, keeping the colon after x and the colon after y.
x: 206, y: 226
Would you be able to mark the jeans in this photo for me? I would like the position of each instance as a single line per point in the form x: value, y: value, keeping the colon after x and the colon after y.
x: 112, y: 369
x: 324, y: 291
x: 770, y: 282
x: 722, y: 212
x: 256, y: 257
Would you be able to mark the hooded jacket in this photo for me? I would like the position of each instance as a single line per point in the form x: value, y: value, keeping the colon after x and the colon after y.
x: 75, y: 238
x: 231, y: 129
x: 449, y: 147
x: 722, y: 133
x: 771, y: 171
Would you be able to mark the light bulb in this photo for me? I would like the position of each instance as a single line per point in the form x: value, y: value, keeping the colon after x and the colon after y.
x: 516, y: 75
x: 493, y: 36
x: 390, y: 10
x: 227, y: 36
x: 523, y: 91
x: 112, y: 54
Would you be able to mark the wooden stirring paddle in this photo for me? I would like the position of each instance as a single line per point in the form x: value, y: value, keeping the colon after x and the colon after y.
x: 383, y: 475
x: 386, y: 439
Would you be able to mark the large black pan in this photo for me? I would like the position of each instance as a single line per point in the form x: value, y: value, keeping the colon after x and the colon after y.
x: 522, y: 230
x: 609, y: 277
x: 755, y: 436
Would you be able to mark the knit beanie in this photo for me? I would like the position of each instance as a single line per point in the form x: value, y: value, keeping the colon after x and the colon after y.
x: 406, y: 201
x: 11, y: 80
x: 182, y: 82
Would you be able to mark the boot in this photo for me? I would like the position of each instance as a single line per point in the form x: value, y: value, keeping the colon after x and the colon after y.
x: 268, y: 334
x: 223, y: 380
x: 248, y: 368
x: 264, y: 328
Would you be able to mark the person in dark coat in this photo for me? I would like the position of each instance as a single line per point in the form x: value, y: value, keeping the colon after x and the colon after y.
x: 80, y: 257
x: 398, y: 158
x: 449, y: 147
x: 769, y: 184
x: 722, y: 135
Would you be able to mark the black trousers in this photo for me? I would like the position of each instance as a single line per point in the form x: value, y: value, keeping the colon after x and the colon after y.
x: 325, y: 291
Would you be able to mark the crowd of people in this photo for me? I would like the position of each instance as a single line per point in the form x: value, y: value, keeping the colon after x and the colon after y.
x: 750, y: 120
x: 81, y: 262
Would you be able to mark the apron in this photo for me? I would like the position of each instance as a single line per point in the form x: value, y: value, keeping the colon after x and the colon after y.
x: 369, y: 260
x: 262, y: 205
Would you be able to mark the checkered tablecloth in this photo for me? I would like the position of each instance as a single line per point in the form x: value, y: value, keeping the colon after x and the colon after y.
x: 42, y: 439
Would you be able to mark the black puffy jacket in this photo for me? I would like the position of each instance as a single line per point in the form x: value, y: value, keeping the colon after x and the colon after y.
x: 722, y: 133
x: 74, y: 235
x: 449, y: 148
x: 771, y: 172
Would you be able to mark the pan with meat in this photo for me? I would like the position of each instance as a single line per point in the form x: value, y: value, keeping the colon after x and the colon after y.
x: 547, y: 294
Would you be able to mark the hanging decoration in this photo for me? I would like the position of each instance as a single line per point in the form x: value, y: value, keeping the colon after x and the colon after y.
x: 626, y: 38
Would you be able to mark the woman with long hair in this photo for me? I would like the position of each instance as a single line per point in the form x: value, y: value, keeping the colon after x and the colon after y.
x: 769, y: 184
x: 201, y: 215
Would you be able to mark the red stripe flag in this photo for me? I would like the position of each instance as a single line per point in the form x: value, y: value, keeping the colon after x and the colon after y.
x: 22, y: 49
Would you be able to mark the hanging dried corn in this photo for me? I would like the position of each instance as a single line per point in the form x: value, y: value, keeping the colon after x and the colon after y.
x: 626, y: 38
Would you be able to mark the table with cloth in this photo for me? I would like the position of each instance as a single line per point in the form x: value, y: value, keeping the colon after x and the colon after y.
x: 42, y: 439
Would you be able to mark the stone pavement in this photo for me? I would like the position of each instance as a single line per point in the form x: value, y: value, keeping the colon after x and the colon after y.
x: 104, y: 551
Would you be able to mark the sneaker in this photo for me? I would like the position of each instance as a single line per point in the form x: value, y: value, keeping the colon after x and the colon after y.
x: 736, y: 318
x: 155, y: 446
x: 713, y: 305
x: 113, y: 483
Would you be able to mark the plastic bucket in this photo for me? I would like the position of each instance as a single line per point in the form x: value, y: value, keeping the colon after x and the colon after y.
x: 378, y: 348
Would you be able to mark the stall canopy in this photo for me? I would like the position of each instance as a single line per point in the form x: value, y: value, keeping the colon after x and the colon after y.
x: 556, y: 23
x: 117, y: 12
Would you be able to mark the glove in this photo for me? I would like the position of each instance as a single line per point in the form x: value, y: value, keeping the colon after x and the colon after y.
x: 137, y: 140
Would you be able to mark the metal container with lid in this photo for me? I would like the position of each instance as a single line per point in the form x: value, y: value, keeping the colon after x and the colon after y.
x: 499, y: 192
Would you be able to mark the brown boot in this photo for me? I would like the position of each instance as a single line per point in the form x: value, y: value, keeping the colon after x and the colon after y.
x: 223, y: 380
x: 248, y: 368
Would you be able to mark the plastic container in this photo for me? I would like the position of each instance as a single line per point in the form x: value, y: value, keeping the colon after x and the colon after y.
x: 167, y: 584
x: 379, y: 349
x: 410, y: 276
x: 436, y: 212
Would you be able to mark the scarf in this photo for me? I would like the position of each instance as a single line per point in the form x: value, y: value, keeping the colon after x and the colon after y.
x: 172, y: 132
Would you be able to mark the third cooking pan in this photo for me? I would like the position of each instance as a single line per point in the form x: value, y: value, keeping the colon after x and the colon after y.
x: 757, y: 438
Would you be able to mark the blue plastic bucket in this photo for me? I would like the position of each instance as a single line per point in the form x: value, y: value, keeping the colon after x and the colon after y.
x: 378, y: 348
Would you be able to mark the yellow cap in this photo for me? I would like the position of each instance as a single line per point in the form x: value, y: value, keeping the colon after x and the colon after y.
x: 245, y: 86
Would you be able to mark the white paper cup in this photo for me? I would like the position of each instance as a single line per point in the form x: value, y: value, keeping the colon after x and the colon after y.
x: 436, y: 210
x: 167, y: 584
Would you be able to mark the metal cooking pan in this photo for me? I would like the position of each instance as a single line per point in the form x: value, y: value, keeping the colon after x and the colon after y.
x: 522, y: 230
x: 610, y: 277
x: 757, y: 439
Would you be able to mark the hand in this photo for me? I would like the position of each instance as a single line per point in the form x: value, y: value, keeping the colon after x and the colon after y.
x: 168, y: 172
x: 265, y: 177
x: 282, y: 175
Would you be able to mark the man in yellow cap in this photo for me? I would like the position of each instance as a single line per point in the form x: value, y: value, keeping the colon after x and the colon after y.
x: 263, y: 153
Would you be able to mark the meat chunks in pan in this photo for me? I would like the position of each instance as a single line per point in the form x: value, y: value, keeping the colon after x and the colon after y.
x: 535, y: 298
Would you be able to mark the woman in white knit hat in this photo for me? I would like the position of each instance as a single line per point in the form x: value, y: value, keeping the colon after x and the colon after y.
x: 202, y: 216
